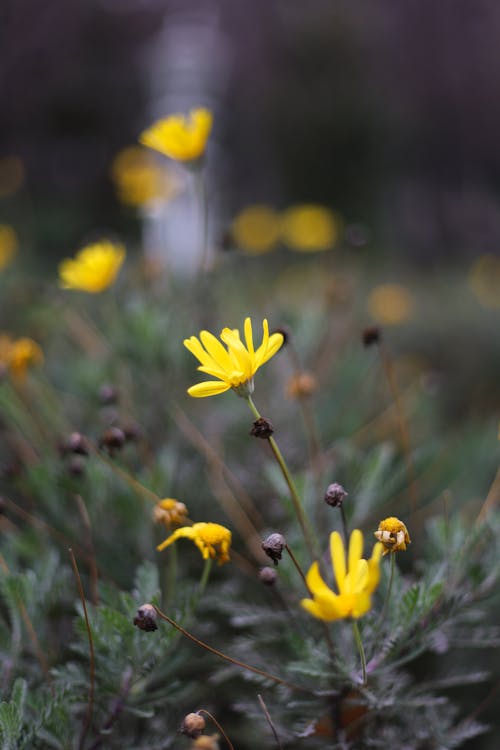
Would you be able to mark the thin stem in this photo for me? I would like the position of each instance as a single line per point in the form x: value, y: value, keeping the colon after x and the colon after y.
x: 297, y: 505
x: 202, y: 194
x: 171, y: 575
x: 90, y: 707
x: 389, y: 587
x: 359, y: 644
x: 269, y: 721
x: 230, y: 659
x: 94, y: 574
x: 345, y: 529
x: 207, y: 713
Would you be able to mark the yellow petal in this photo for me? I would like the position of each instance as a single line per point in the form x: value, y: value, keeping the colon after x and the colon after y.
x: 185, y: 531
x: 208, y: 388
x: 249, y: 336
x: 355, y: 549
x: 216, y: 350
x: 338, y: 559
x: 362, y: 604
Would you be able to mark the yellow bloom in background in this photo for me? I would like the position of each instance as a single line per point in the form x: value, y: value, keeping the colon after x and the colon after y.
x: 356, y: 580
x: 170, y: 513
x: 484, y: 280
x: 235, y: 365
x: 179, y: 137
x: 8, y: 245
x: 140, y: 180
x: 94, y: 268
x: 212, y: 539
x: 256, y: 229
x: 391, y: 304
x: 393, y: 534
x: 18, y: 355
x: 309, y: 228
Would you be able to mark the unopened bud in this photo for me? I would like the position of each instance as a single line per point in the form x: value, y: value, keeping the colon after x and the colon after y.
x: 371, y: 335
x: 108, y: 394
x: 132, y: 432
x: 113, y: 439
x: 335, y: 495
x: 146, y: 617
x: 76, y: 466
x: 262, y: 428
x: 273, y: 546
x: 192, y: 725
x: 268, y: 576
x: 75, y: 443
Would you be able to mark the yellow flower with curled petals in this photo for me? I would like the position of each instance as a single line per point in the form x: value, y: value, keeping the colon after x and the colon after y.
x: 212, y: 539
x: 179, y: 137
x: 393, y: 534
x: 94, y: 268
x: 356, y: 580
x: 235, y: 365
x: 8, y: 245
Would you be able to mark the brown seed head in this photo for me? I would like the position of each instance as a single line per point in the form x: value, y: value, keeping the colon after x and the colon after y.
x: 192, y: 725
x: 112, y: 439
x: 262, y: 428
x: 268, y: 576
x: 75, y: 443
x: 371, y: 335
x: 146, y: 617
x: 273, y: 546
x: 335, y: 495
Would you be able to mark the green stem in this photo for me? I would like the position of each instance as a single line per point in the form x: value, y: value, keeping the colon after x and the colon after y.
x: 359, y: 644
x: 171, y: 576
x: 297, y: 505
x: 201, y: 191
x: 389, y: 588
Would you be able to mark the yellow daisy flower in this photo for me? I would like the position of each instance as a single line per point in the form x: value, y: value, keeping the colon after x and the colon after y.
x: 234, y: 366
x: 179, y: 137
x: 94, y: 268
x: 212, y: 539
x: 356, y: 581
x: 393, y: 534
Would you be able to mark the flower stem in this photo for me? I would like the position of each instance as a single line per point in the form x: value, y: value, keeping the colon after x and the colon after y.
x: 359, y: 644
x: 297, y: 505
x: 201, y: 191
x: 389, y: 589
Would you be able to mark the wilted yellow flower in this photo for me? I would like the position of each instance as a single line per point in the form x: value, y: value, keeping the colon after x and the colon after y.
x: 484, y: 280
x: 212, y: 539
x: 235, y: 366
x: 309, y: 228
x: 8, y: 244
x: 393, y: 534
x: 94, y: 268
x: 356, y: 581
x: 139, y: 179
x: 391, y: 304
x: 256, y: 229
x: 18, y: 355
x: 170, y: 512
x: 179, y: 137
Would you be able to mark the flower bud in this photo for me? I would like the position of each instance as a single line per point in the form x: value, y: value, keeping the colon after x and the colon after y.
x: 192, y: 725
x: 113, y: 439
x: 268, y: 576
x: 335, y: 495
x: 262, y: 428
x: 273, y: 546
x: 146, y: 617
x: 108, y: 394
x: 75, y: 443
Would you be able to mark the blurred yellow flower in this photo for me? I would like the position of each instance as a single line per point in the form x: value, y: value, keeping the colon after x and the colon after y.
x: 11, y: 175
x: 391, y: 304
x: 139, y: 179
x: 8, y: 244
x: 179, y: 137
x: 256, y: 229
x: 356, y: 581
x: 212, y: 539
x: 393, y: 534
x: 235, y: 366
x: 94, y: 268
x: 18, y: 355
x: 484, y: 280
x: 309, y: 228
x: 170, y: 513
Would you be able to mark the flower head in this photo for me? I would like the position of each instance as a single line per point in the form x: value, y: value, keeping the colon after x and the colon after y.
x: 18, y: 355
x: 356, y: 581
x: 179, y: 137
x: 309, y: 228
x: 391, y: 304
x: 139, y: 179
x: 8, y: 245
x: 234, y: 366
x: 170, y: 512
x: 212, y: 539
x: 94, y: 268
x: 393, y: 534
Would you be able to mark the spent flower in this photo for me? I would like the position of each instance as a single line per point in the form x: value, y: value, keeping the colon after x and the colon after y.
x: 170, y: 512
x: 179, y: 137
x: 94, y: 268
x: 212, y: 539
x: 356, y: 579
x: 393, y: 534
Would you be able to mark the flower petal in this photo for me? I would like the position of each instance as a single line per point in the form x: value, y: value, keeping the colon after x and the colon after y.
x: 208, y: 388
x: 355, y: 550
x: 216, y: 350
x: 186, y: 531
x: 338, y: 559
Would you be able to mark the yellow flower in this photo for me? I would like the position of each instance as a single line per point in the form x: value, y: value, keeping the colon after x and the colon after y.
x: 391, y: 304
x: 256, y: 229
x: 8, y: 245
x: 139, y: 179
x: 179, y: 137
x: 309, y: 228
x: 212, y: 539
x: 94, y: 268
x: 18, y: 355
x: 356, y: 581
x: 235, y: 366
x: 393, y: 534
x: 170, y: 512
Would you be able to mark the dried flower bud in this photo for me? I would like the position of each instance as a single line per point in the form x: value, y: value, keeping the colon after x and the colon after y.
x: 192, y: 725
x: 285, y: 332
x: 76, y: 466
x: 371, y: 335
x: 132, y: 432
x: 393, y: 534
x: 146, y: 617
x: 335, y: 495
x: 273, y: 546
x: 268, y: 576
x: 112, y: 438
x: 75, y: 443
x: 108, y: 394
x: 262, y: 428
x: 301, y: 385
